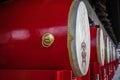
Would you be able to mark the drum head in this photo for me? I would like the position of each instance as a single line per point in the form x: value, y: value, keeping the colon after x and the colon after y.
x: 107, y: 50
x: 111, y: 51
x: 100, y: 47
x: 114, y: 53
x: 79, y: 38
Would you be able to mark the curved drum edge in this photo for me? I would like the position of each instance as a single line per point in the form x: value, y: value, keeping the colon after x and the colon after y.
x: 100, y: 47
x: 79, y: 59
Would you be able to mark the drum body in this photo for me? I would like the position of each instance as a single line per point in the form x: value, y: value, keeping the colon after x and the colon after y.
x: 97, y: 46
x: 44, y: 35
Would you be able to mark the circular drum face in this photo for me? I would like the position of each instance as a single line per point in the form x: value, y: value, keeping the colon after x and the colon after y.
x: 116, y: 52
x: 79, y: 38
x: 108, y: 50
x: 113, y: 52
x: 100, y: 47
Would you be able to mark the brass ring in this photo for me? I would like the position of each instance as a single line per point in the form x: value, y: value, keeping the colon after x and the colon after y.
x: 47, y: 39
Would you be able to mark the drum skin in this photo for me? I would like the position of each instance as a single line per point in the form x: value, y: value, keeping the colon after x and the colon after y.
x: 107, y: 50
x: 97, y: 55
x: 114, y: 52
x: 23, y: 26
x: 111, y: 51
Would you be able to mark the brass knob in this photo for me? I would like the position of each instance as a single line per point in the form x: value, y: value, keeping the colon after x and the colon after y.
x: 47, y: 39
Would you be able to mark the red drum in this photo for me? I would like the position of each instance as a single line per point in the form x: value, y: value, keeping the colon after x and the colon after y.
x: 97, y: 45
x: 45, y: 34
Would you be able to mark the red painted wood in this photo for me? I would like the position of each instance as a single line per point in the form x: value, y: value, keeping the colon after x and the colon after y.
x: 93, y: 54
x: 22, y: 24
x: 35, y: 75
x: 94, y: 70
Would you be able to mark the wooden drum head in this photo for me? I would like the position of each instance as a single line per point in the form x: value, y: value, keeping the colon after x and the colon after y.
x: 79, y: 38
x: 100, y: 47
x: 107, y: 50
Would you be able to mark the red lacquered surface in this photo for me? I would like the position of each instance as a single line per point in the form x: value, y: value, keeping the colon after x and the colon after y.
x: 35, y: 75
x: 93, y: 54
x: 22, y: 24
x: 94, y: 70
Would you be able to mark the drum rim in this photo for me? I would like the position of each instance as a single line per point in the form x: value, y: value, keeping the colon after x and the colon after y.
x: 107, y: 50
x: 101, y: 59
x: 71, y: 22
